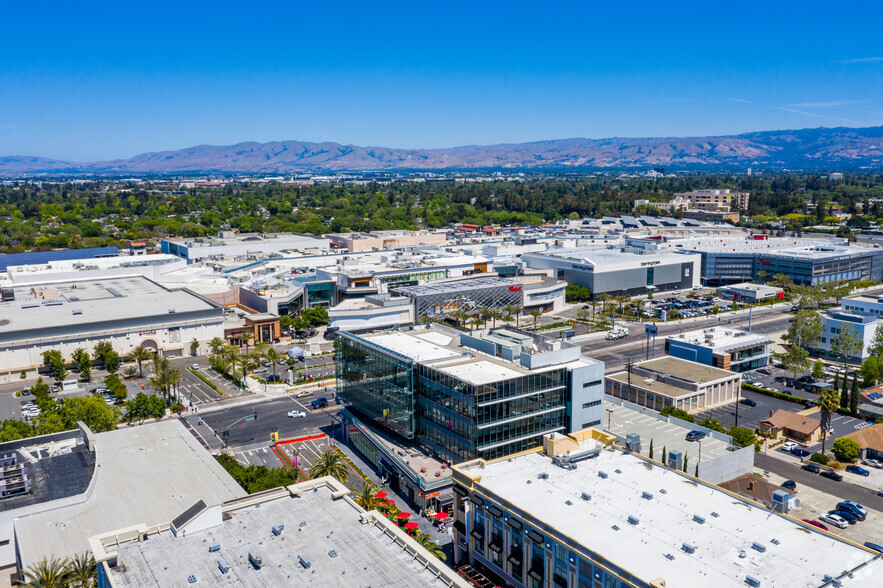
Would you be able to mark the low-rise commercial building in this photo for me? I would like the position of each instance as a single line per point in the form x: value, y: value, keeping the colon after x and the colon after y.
x: 716, y: 198
x: 671, y: 381
x: 230, y: 244
x: 861, y: 315
x: 308, y: 534
x: 87, y: 484
x: 381, y: 311
x: 462, y: 395
x: 470, y: 296
x: 582, y: 513
x: 126, y: 312
x: 8, y: 260
x: 751, y: 293
x: 380, y: 240
x: 617, y: 272
x: 728, y: 349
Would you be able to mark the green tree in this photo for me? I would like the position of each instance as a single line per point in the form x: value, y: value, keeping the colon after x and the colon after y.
x: 712, y: 424
x: 92, y: 410
x: 876, y: 347
x: 273, y: 357
x: 854, y: 396
x: 742, y: 436
x: 194, y: 346
x: 651, y: 448
x: 331, y: 464
x: 82, y: 572
x: 47, y: 573
x: 217, y: 345
x: 366, y: 497
x: 846, y: 343
x: 870, y: 371
x: 140, y: 355
x: 285, y: 321
x: 53, y: 360
x: 316, y: 315
x: 829, y: 402
x: 143, y: 407
x: 844, y: 392
x: 513, y: 310
x: 846, y: 449
x: 818, y: 370
x: 804, y: 330
x: 429, y: 544
x: 686, y: 460
x: 677, y: 413
x: 83, y: 361
x: 664, y: 456
x: 536, y: 313
x: 256, y: 478
x: 109, y: 358
x: 796, y: 359
x: 165, y: 375
x: 116, y: 386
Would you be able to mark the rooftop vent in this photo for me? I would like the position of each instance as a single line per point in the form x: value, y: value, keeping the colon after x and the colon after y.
x: 332, y: 553
x: 171, y: 311
x: 191, y: 579
x: 669, y: 557
x: 687, y: 548
x: 715, y: 515
x: 277, y: 530
x: 543, y: 476
x: 73, y: 298
x: 53, y: 303
x: 774, y: 541
x: 255, y: 560
x: 214, y: 547
x: 30, y: 305
x: 77, y: 311
x: 115, y: 292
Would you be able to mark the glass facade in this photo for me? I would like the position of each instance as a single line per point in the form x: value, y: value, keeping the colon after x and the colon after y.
x: 319, y: 294
x: 377, y: 382
x: 449, y: 417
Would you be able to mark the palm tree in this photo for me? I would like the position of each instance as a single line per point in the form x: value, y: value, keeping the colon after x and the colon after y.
x: 217, y: 345
x: 331, y: 464
x: 429, y: 544
x: 273, y: 356
x: 165, y: 375
x: 484, y: 313
x: 496, y: 315
x: 829, y: 402
x: 459, y: 316
x: 194, y: 346
x: 514, y: 310
x: 47, y: 573
x: 475, y: 321
x: 247, y: 337
x: 140, y: 354
x: 536, y: 313
x: 605, y: 298
x: 621, y: 300
x: 82, y: 571
x: 366, y: 497
x: 245, y: 362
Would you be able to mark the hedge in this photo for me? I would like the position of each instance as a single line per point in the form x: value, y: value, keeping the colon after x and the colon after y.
x: 205, y: 380
x: 779, y: 395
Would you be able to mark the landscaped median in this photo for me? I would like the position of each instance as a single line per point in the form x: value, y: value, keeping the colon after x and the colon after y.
x: 207, y: 382
x: 773, y: 394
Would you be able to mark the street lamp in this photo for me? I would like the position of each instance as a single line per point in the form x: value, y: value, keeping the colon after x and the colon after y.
x: 609, y: 414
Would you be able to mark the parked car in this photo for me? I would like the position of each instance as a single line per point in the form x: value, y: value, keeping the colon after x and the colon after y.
x: 764, y: 371
x: 854, y: 469
x: 816, y: 524
x: 811, y: 468
x: 273, y: 378
x: 789, y: 446
x: 854, y: 507
x: 26, y: 392
x: 194, y: 366
x: 748, y: 402
x: 789, y: 484
x: 845, y: 515
x: 296, y: 414
x: 834, y: 520
x: 868, y: 462
x: 695, y: 436
x: 801, y: 452
x: 831, y: 475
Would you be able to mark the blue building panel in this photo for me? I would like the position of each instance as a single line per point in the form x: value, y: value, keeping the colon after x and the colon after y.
x: 37, y: 257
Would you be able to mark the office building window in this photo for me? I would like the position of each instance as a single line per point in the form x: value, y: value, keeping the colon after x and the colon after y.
x: 590, y: 384
x: 591, y: 424
x: 591, y: 404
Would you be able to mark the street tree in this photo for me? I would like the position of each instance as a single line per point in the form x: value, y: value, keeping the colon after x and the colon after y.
x: 143, y: 407
x: 796, y: 359
x: 536, y: 313
x: 870, y: 371
x: 829, y: 402
x: 194, y: 346
x: 330, y: 463
x: 846, y: 344
x: 818, y: 370
x: 53, y: 360
x: 140, y: 355
x: 83, y: 361
x: 217, y: 345
x: 804, y: 330
x: 876, y: 347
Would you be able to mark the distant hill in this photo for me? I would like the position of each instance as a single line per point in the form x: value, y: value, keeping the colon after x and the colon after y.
x: 800, y: 149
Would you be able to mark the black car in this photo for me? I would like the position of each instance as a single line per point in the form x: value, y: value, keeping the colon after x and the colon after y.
x: 319, y: 403
x: 274, y: 378
x: 780, y: 379
x: 855, y: 510
x: 845, y: 515
x: 805, y: 379
x: 800, y: 452
x: 764, y: 371
x: 811, y: 467
x: 789, y: 484
x: 831, y: 476
x: 748, y: 402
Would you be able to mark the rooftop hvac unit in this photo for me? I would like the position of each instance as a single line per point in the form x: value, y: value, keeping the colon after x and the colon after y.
x: 191, y: 579
x: 752, y: 581
x: 602, y: 475
x: 255, y: 560
x: 687, y: 548
x: 277, y: 530
x: 214, y: 547
x: 585, y: 496
x: 758, y: 547
x: 223, y: 567
x: 633, y: 520
x: 543, y: 476
x: 304, y: 561
x: 633, y: 442
x: 646, y: 495
x: 675, y: 459
x: 699, y: 519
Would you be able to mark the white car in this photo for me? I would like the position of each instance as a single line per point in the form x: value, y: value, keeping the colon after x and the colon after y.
x: 833, y: 519
x: 296, y: 414
x: 194, y: 366
x: 788, y: 446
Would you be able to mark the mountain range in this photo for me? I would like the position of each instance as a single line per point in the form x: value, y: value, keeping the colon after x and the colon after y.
x: 825, y: 148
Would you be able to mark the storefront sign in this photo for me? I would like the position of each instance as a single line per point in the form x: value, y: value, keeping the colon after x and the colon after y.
x: 585, y: 268
x: 646, y: 263
x: 432, y: 495
x: 174, y: 335
x: 142, y: 333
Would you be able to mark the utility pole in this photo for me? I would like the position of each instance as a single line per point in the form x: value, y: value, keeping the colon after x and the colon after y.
x: 628, y: 368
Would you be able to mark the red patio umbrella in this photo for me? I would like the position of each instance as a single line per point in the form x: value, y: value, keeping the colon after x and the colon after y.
x: 380, y: 495
x: 403, y: 515
x: 440, y: 516
x: 412, y: 526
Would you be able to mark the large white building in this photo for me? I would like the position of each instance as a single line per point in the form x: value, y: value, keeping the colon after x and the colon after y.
x: 229, y: 244
x: 863, y: 315
x: 126, y: 312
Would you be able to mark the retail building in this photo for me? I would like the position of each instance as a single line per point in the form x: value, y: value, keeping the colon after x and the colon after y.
x: 729, y: 349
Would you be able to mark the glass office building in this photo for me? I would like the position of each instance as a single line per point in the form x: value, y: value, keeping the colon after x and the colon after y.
x: 459, y: 396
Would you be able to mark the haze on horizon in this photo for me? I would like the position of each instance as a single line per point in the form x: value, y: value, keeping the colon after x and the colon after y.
x: 110, y: 80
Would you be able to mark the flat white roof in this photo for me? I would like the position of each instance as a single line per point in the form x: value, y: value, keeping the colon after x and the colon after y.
x: 795, y: 554
x: 146, y: 474
x: 414, y: 347
x: 720, y: 337
x: 481, y: 372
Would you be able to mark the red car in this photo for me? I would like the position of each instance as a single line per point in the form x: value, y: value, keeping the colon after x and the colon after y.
x: 816, y: 523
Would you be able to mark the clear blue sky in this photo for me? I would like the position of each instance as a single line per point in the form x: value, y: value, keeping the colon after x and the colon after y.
x: 87, y: 80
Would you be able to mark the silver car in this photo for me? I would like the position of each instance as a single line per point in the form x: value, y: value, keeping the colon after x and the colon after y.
x: 835, y: 520
x: 873, y: 463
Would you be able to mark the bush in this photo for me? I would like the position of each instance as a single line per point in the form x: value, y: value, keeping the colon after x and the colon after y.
x: 779, y: 395
x: 819, y: 458
x: 846, y: 449
x: 743, y: 436
x: 677, y: 413
x: 205, y: 380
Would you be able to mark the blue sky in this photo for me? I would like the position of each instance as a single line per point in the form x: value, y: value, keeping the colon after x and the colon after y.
x: 98, y: 80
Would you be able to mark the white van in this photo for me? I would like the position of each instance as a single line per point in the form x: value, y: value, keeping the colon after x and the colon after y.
x: 69, y: 386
